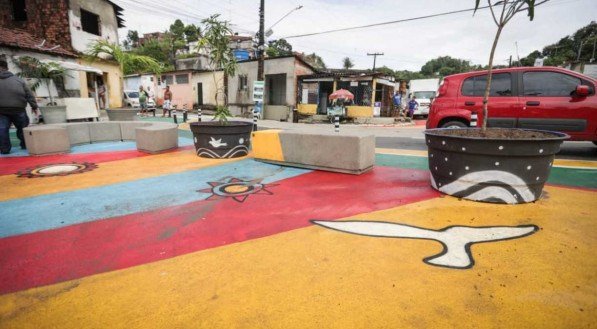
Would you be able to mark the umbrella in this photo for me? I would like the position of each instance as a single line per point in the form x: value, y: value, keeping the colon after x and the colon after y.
x: 341, y: 94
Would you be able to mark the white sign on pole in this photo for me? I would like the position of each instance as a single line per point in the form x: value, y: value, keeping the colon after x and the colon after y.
x: 258, y: 90
x: 538, y: 61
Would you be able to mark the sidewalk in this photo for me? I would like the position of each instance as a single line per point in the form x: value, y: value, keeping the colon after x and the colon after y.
x: 162, y: 241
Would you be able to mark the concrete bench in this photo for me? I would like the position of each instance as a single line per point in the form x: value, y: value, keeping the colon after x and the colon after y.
x: 151, y: 137
x: 351, y: 153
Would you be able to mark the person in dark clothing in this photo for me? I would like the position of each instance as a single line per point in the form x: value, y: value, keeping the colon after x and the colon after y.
x: 14, y: 96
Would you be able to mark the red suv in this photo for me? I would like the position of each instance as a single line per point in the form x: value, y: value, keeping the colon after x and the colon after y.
x: 547, y: 98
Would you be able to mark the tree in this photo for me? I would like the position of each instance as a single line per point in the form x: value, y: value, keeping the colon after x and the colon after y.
x: 192, y: 33
x: 177, y: 30
x: 216, y: 40
x: 129, y: 62
x: 314, y: 60
x: 278, y: 47
x: 347, y: 63
x: 509, y: 9
x: 132, y: 39
x: 445, y: 65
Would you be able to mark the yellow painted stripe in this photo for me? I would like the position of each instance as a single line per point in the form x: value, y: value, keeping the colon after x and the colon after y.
x: 107, y: 173
x: 401, y: 152
x: 319, y: 278
x: 267, y: 145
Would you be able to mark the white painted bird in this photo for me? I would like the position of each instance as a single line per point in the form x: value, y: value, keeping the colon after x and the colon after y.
x: 217, y: 143
x: 456, y: 240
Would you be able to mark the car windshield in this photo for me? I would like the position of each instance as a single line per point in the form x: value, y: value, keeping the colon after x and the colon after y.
x: 424, y: 94
x: 133, y: 94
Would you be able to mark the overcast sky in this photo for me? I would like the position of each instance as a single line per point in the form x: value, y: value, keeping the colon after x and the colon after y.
x: 406, y: 45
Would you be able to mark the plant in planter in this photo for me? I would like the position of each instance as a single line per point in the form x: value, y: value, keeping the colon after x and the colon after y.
x: 500, y: 165
x: 222, y: 138
x: 45, y: 73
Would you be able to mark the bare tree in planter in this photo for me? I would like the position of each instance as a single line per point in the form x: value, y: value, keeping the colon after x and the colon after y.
x: 500, y: 165
x: 509, y: 8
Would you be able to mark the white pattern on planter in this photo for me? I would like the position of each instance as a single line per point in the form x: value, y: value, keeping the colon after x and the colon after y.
x: 500, y: 148
x: 238, y: 149
x: 241, y: 141
x: 456, y: 240
x: 540, y: 150
x: 497, y: 192
x: 216, y: 143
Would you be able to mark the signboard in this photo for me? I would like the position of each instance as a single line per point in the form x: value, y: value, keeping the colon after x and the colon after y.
x: 538, y: 61
x: 354, y: 83
x: 258, y: 90
x: 377, y: 109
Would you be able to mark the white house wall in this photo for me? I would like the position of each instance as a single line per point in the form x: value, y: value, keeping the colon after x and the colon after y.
x: 71, y: 79
x: 108, y: 23
x: 209, y: 88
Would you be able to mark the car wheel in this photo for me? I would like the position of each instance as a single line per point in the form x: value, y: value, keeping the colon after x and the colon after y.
x: 595, y: 142
x: 454, y: 125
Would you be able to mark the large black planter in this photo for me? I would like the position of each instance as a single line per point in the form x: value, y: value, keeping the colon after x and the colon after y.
x: 494, y: 170
x: 214, y: 140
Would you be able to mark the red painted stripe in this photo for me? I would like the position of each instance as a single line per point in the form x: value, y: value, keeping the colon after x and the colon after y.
x: 11, y: 165
x: 72, y: 252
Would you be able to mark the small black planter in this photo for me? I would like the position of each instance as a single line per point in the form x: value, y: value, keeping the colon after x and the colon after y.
x: 214, y: 140
x: 496, y: 170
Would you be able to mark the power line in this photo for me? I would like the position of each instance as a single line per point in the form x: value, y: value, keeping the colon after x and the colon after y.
x: 385, y: 23
x: 374, y: 58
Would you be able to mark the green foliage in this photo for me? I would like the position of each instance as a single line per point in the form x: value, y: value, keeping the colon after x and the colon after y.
x: 347, y: 63
x: 128, y: 61
x: 222, y: 113
x: 445, y: 65
x: 278, y: 47
x: 35, y: 69
x: 192, y: 33
x: 177, y: 30
x: 315, y: 61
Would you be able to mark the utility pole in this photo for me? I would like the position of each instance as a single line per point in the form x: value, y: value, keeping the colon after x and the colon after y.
x: 579, y: 51
x: 374, y: 58
x: 510, y: 61
x: 261, y: 41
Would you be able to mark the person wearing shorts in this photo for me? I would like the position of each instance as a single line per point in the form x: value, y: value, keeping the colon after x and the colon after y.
x: 143, y: 101
x: 412, y: 106
x: 167, y: 101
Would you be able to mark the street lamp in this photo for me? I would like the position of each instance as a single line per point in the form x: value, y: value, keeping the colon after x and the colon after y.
x: 269, y: 31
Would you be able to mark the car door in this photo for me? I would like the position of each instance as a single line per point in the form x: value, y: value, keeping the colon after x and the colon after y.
x: 549, y: 103
x: 503, y: 106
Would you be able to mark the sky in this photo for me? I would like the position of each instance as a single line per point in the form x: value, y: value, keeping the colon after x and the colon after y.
x: 406, y: 46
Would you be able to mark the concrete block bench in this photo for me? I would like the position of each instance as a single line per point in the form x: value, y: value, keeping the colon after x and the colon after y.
x: 151, y: 137
x: 351, y: 153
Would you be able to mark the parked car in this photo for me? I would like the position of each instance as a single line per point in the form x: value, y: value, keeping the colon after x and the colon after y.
x: 547, y: 98
x: 130, y: 98
x: 424, y: 90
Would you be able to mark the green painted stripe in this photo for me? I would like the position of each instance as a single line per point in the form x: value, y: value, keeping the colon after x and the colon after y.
x: 560, y: 176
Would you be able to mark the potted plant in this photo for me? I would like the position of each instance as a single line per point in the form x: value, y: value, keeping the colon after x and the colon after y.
x: 46, y: 73
x: 220, y: 138
x: 500, y: 165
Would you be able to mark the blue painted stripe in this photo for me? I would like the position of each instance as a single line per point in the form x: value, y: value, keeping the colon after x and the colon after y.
x: 97, y: 147
x: 67, y: 208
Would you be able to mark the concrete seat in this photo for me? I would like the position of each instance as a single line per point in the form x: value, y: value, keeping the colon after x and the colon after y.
x: 351, y: 153
x: 47, y: 139
x: 151, y: 137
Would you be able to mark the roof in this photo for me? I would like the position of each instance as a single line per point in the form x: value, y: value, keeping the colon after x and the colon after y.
x: 351, y: 74
x: 118, y: 13
x: 282, y: 57
x: 16, y: 38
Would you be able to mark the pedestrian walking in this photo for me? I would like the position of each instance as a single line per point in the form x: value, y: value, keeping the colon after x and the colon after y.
x: 14, y: 96
x: 143, y: 101
x: 167, y: 101
x: 412, y: 106
x: 397, y: 98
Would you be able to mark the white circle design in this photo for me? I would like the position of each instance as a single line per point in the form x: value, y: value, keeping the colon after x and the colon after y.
x: 540, y: 150
x: 466, y: 168
x: 443, y: 142
x: 450, y: 173
x: 431, y: 155
x: 241, y: 140
x: 497, y: 163
x: 464, y: 148
x: 500, y: 148
x: 537, y: 178
x: 529, y: 167
x: 58, y: 169
x: 446, y: 159
x: 435, y: 168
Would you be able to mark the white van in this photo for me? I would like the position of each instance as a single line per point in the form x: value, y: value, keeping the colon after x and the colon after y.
x: 424, y: 90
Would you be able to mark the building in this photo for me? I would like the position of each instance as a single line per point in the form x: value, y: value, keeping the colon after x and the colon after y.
x: 373, y: 92
x: 60, y: 31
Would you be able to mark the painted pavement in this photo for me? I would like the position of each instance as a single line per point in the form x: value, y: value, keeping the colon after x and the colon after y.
x: 110, y: 237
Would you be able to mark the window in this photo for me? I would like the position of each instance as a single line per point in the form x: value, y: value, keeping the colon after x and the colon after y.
x: 243, y: 82
x: 168, y: 79
x: 90, y: 22
x: 182, y: 79
x: 19, y: 10
x: 549, y: 84
x: 501, y: 85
